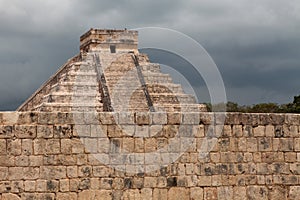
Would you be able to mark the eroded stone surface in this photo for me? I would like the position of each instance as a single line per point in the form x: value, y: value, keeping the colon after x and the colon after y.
x: 10, y: 197
x: 54, y: 163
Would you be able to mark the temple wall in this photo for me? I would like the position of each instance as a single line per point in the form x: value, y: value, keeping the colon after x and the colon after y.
x: 81, y: 156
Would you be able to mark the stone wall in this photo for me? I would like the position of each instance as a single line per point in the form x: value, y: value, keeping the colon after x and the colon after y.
x: 81, y: 156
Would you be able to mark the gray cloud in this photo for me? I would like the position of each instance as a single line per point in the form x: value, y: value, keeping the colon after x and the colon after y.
x: 255, y: 43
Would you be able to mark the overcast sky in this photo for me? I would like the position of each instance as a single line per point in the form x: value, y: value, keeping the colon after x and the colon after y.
x: 255, y: 44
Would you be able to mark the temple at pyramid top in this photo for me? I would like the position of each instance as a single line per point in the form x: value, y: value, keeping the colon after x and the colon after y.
x: 110, y: 74
x: 109, y: 40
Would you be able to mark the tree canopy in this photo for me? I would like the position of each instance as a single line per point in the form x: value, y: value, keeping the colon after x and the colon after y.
x: 293, y: 107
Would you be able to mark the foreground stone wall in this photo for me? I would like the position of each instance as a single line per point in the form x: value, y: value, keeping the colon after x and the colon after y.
x: 56, y: 156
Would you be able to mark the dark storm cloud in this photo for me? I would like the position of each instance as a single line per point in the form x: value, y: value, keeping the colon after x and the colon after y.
x: 255, y: 43
x: 272, y: 66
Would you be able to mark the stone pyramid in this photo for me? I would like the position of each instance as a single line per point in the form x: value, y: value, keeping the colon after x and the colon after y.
x: 110, y: 75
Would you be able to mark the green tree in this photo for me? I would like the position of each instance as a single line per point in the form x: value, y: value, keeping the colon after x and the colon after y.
x: 232, y: 107
x: 265, y: 108
x: 296, y: 103
x: 293, y: 107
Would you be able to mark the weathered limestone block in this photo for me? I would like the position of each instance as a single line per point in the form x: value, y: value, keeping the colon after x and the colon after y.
x: 3, y: 147
x: 53, y: 172
x: 30, y: 186
x: 25, y: 132
x: 159, y: 118
x: 270, y: 131
x: 114, y: 131
x: 82, y: 130
x: 178, y: 193
x: 72, y: 146
x: 196, y: 193
x: 143, y: 118
x: 259, y: 131
x: 131, y: 194
x: 160, y: 193
x: 39, y: 146
x: 265, y: 144
x: 210, y: 193
x: 204, y: 181
x: 28, y: 117
x: 7, y: 161
x: 146, y: 193
x: 17, y: 186
x: 15, y: 173
x: 45, y: 131
x: 10, y: 118
x: 14, y: 147
x: 297, y: 144
x: 191, y: 118
x: 257, y: 193
x: 35, y: 161
x: 278, y: 193
x: 252, y: 145
x: 31, y: 173
x: 6, y: 131
x: 225, y: 193
x: 95, y: 195
x: 174, y: 118
x: 3, y: 173
x: 126, y: 118
x: 294, y: 192
x: 59, y: 131
x: 239, y: 193
x: 74, y: 185
x: 107, y: 118
x: 66, y: 196
x: 292, y: 119
x: 47, y: 196
x: 6, y: 196
x: 27, y: 147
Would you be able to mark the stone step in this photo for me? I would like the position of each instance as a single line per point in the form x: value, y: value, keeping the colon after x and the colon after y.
x: 121, y: 74
x: 76, y: 104
x: 157, y: 79
x: 88, y: 83
x: 180, y: 107
x: 151, y: 67
x: 79, y: 73
x: 122, y: 78
x: 71, y: 97
x: 67, y: 107
x: 165, y: 88
x: 123, y: 83
x: 172, y: 98
x: 80, y: 67
x: 75, y: 86
x: 80, y: 77
x: 84, y: 67
x: 131, y: 108
x: 120, y: 67
x: 125, y: 87
x: 136, y: 97
x: 154, y: 74
x: 153, y: 79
